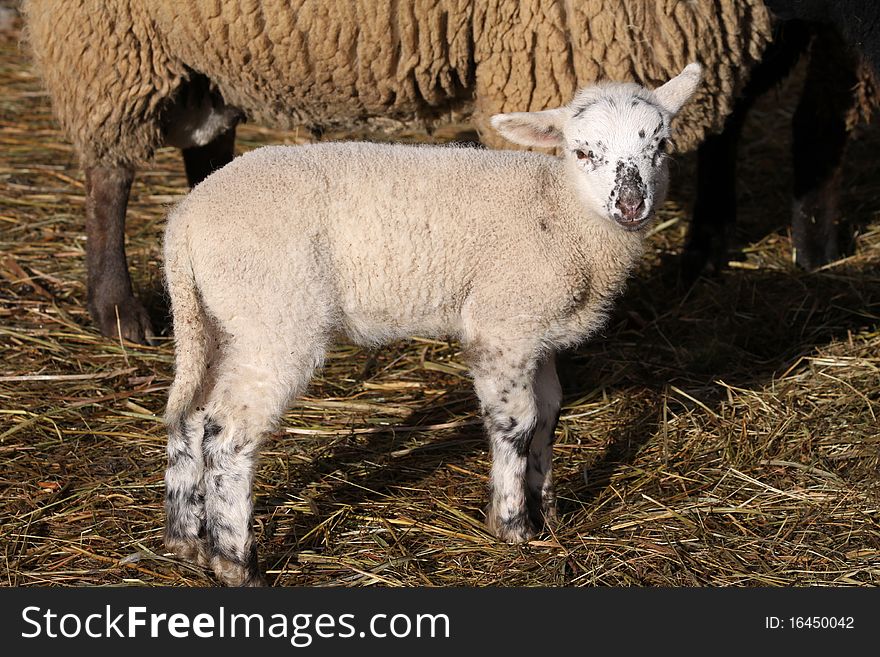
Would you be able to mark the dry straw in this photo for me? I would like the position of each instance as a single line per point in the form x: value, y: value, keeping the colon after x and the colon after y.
x: 725, y: 435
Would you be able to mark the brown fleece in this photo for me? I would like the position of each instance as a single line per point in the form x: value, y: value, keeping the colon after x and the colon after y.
x: 112, y: 66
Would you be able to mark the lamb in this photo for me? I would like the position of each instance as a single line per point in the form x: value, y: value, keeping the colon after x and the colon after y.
x: 126, y: 78
x: 515, y: 254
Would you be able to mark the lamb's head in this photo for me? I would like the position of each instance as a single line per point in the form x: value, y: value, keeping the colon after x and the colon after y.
x: 614, y: 138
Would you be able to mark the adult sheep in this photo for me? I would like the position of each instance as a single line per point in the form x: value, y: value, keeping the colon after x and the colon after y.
x: 128, y: 77
x: 841, y: 40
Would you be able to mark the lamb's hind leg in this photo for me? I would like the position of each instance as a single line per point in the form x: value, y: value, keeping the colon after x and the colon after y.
x: 251, y: 393
x: 504, y: 381
x: 539, y: 473
x: 185, y: 490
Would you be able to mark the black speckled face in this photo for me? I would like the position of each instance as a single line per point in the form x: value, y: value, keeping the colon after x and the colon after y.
x: 618, y: 144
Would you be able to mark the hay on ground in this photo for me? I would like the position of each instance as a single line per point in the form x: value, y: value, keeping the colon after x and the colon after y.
x: 725, y: 435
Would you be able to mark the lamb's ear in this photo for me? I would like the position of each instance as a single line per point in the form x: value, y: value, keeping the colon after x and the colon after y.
x: 675, y: 93
x: 539, y: 129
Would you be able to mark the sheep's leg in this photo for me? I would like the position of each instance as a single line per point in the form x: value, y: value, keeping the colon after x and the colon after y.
x: 198, y: 354
x: 202, y: 161
x: 111, y: 302
x: 249, y: 397
x: 230, y: 448
x: 539, y: 474
x: 715, y: 205
x: 819, y: 140
x: 185, y: 491
x: 504, y: 379
x: 714, y: 214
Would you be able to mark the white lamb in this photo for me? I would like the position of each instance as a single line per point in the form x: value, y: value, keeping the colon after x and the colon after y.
x: 515, y: 254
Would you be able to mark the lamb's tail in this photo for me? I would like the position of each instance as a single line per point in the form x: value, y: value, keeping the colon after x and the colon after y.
x: 191, y: 330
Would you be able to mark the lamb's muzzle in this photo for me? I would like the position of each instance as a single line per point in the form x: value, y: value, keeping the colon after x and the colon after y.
x: 629, y: 207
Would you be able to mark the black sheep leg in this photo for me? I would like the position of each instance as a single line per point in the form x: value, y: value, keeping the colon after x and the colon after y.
x: 715, y: 206
x: 819, y: 140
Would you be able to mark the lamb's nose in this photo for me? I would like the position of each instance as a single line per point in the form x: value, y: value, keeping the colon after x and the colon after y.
x: 630, y: 203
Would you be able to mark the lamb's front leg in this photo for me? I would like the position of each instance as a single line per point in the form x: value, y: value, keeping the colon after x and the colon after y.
x: 504, y: 380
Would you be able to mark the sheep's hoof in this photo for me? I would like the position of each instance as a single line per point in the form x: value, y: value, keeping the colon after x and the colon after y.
x: 192, y: 550
x: 810, y: 258
x: 696, y: 262
x: 127, y: 317
x: 814, y: 230
x: 516, y: 528
x: 234, y: 573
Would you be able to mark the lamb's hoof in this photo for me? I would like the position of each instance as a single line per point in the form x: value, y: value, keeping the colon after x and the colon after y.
x: 127, y: 316
x: 193, y: 550
x: 235, y: 573
x: 516, y: 528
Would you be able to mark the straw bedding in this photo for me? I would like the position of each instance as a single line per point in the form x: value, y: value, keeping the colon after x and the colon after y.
x: 723, y: 436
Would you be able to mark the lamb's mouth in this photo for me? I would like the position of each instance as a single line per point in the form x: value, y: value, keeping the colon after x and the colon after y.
x: 633, y: 224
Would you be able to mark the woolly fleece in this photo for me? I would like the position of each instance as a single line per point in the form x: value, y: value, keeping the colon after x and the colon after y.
x: 113, y: 66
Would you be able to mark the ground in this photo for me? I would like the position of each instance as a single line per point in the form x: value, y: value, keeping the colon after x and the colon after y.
x: 722, y: 435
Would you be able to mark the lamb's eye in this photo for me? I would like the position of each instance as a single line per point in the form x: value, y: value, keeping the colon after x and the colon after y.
x: 662, y: 146
x: 584, y: 155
